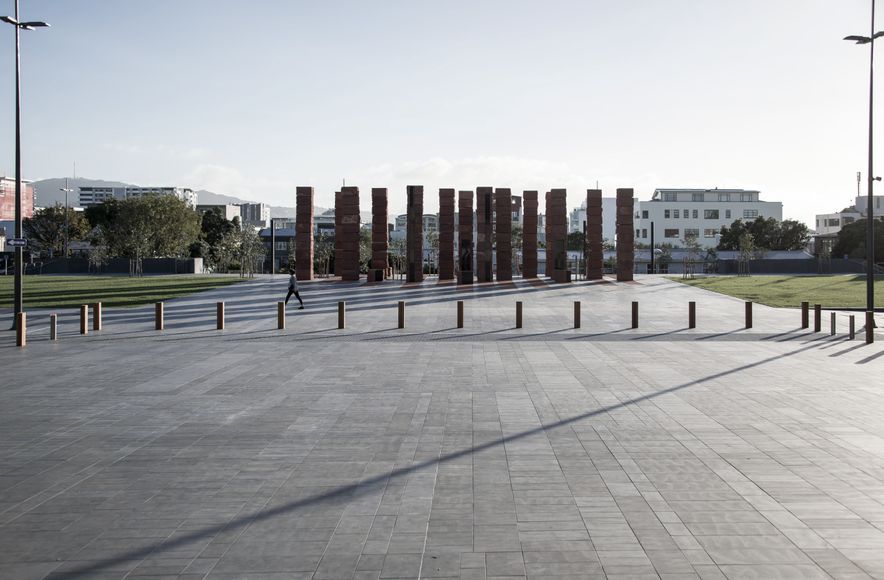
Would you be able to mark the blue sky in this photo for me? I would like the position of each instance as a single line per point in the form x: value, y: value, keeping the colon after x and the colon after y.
x: 253, y: 98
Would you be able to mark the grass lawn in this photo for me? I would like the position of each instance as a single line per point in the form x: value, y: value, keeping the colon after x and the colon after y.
x: 789, y: 291
x: 72, y: 291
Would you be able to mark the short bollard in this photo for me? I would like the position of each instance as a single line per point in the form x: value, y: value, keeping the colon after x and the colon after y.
x: 518, y: 315
x: 805, y: 314
x: 280, y: 315
x: 401, y: 314
x: 53, y: 327
x: 851, y: 333
x: 817, y: 317
x: 96, y: 316
x: 692, y: 314
x: 832, y: 331
x: 460, y: 313
x: 870, y: 327
x: 220, y: 316
x: 341, y: 320
x: 748, y: 315
x: 21, y: 329
x: 158, y: 316
x: 577, y: 314
x: 84, y: 319
x: 635, y: 314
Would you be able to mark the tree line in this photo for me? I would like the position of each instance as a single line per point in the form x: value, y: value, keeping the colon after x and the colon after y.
x: 159, y: 226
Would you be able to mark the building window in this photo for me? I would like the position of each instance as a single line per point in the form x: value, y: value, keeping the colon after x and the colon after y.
x: 727, y: 214
x: 675, y: 213
x: 672, y: 196
x: 698, y: 197
x: 281, y: 245
x: 709, y: 232
x: 691, y: 233
x: 833, y: 223
x: 724, y: 197
x: 637, y: 232
x: 710, y: 214
x: 666, y: 214
x: 696, y: 214
x: 747, y: 197
x: 644, y: 214
x: 673, y: 233
x: 750, y: 213
x: 644, y: 232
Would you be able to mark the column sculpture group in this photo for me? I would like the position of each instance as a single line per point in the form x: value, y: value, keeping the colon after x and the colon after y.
x: 458, y: 258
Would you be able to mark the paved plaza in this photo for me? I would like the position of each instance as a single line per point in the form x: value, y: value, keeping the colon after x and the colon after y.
x: 433, y: 451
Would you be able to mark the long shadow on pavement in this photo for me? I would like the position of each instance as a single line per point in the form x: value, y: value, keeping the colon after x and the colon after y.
x: 356, y: 489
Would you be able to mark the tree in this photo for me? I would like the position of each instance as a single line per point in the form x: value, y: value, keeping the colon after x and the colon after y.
x: 575, y: 241
x: 691, y: 255
x: 160, y: 226
x: 48, y: 232
x: 98, y: 253
x: 364, y: 249
x: 323, y: 252
x: 397, y: 249
x: 433, y: 247
x: 517, y: 236
x: 747, y: 251
x: 767, y: 233
x: 852, y: 237
x: 250, y: 250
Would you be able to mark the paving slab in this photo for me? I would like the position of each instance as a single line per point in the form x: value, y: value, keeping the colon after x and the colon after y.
x: 433, y: 451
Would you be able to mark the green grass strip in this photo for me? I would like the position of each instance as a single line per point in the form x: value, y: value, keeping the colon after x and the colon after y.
x: 122, y: 291
x: 845, y: 291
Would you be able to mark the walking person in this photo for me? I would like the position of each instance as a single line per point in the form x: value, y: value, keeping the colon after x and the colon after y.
x: 293, y: 289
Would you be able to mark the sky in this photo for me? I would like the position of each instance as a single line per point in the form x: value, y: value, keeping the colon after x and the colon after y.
x: 251, y: 99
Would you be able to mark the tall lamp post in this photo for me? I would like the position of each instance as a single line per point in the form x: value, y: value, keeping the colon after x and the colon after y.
x: 66, y: 190
x: 870, y: 216
x: 19, y: 251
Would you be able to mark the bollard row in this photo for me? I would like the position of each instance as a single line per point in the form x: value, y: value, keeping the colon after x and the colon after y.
x: 159, y: 323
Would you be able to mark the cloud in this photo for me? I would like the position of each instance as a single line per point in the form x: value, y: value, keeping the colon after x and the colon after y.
x: 231, y: 181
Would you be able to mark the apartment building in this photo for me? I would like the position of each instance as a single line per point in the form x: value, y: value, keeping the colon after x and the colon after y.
x: 678, y: 213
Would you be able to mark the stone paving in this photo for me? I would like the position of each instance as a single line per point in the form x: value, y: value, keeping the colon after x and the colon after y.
x: 437, y: 452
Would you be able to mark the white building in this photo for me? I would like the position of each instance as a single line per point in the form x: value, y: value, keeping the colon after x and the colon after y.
x: 228, y: 210
x: 255, y: 214
x: 831, y: 223
x: 183, y: 193
x: 678, y: 213
x: 609, y: 218
x: 90, y: 196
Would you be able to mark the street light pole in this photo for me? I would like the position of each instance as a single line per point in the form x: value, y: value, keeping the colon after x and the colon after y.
x: 870, y: 216
x: 66, y: 189
x: 19, y: 251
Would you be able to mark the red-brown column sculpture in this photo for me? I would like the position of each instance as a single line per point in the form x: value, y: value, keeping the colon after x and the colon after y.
x: 446, y: 234
x: 625, y: 235
x: 414, y: 235
x: 595, y: 257
x: 503, y: 211
x: 304, y: 233
x: 529, y: 235
x: 465, y: 236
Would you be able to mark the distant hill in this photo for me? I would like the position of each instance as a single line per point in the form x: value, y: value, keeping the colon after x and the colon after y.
x: 48, y: 193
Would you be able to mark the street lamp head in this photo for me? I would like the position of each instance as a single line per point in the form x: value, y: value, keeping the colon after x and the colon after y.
x: 24, y: 25
x: 859, y: 39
